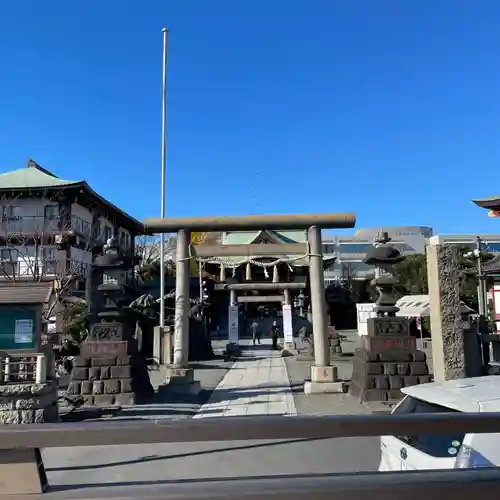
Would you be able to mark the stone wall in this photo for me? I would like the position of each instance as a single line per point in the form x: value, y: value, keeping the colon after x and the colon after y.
x: 103, y: 381
x: 28, y: 403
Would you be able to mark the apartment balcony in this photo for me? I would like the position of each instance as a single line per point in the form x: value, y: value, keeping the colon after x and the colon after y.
x: 28, y: 269
x: 39, y: 225
x: 31, y: 226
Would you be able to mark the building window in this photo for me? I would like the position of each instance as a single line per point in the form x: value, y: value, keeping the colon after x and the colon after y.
x: 6, y: 255
x: 50, y: 212
x: 85, y: 228
x: 124, y: 239
x: 12, y: 212
x: 108, y: 233
x: 48, y: 253
x: 97, y: 229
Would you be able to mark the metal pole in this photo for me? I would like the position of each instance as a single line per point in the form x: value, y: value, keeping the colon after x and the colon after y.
x: 163, y: 175
x: 200, y: 279
x: 318, y: 300
x: 480, y: 289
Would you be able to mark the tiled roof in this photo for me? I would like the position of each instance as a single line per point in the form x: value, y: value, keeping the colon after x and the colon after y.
x: 32, y: 176
x: 492, y: 266
x: 27, y: 292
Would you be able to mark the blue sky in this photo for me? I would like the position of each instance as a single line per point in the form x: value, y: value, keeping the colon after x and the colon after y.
x: 273, y: 106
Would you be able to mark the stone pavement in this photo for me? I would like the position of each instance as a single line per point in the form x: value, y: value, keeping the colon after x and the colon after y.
x: 257, y: 385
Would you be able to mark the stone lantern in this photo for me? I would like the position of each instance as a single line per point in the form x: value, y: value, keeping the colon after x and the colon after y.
x: 384, y: 257
x: 110, y: 369
x: 388, y: 359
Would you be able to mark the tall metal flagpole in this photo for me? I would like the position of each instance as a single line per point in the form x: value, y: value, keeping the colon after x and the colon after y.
x: 163, y: 175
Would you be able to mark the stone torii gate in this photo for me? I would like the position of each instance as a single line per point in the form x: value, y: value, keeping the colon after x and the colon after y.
x: 323, y: 376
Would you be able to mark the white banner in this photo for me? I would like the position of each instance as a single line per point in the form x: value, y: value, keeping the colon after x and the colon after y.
x: 287, y: 323
x: 233, y: 327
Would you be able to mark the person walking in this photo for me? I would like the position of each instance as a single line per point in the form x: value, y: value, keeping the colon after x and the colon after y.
x: 275, y: 333
x: 255, y: 329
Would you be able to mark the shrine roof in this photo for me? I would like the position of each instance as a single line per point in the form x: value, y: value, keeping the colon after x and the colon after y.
x: 492, y: 202
x: 247, y: 237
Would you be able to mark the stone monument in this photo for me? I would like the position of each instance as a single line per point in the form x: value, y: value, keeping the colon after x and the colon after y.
x: 110, y: 369
x: 455, y: 349
x: 388, y: 359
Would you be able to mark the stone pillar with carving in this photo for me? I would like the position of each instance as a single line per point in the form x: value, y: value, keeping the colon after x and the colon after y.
x: 388, y: 359
x: 110, y: 369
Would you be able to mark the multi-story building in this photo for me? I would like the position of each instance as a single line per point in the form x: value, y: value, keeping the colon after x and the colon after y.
x: 50, y: 227
x: 350, y: 252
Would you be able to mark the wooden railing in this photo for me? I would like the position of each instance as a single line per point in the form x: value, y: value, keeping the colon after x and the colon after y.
x: 21, y: 444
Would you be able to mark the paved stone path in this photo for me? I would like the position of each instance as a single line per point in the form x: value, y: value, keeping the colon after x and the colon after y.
x: 258, y: 385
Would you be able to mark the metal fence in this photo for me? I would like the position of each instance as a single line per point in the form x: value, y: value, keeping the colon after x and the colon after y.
x: 19, y: 442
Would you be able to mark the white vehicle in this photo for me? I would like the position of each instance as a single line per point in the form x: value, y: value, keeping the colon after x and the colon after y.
x: 470, y: 395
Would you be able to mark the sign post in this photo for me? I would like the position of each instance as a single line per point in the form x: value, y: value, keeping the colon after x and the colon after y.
x: 233, y: 325
x: 287, y: 324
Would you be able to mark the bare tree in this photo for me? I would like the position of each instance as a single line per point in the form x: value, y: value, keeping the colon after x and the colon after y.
x: 32, y: 246
x: 148, y: 249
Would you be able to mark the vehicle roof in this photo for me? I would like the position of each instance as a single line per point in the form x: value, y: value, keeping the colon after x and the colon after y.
x: 478, y: 394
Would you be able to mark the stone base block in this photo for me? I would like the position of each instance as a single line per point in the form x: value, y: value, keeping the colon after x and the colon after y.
x: 180, y: 381
x: 180, y: 376
x: 233, y: 350
x: 324, y: 373
x: 286, y: 353
x: 324, y: 379
x: 311, y: 387
x: 191, y: 388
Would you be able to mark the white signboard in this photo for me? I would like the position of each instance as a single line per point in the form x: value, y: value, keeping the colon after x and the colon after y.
x: 233, y: 327
x: 364, y: 312
x: 23, y: 333
x: 287, y: 323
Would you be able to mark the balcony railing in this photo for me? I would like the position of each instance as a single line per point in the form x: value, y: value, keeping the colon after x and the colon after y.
x: 77, y: 267
x: 22, y: 368
x: 38, y: 225
x: 408, y: 485
x: 28, y: 225
x: 80, y: 227
x: 26, y: 268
